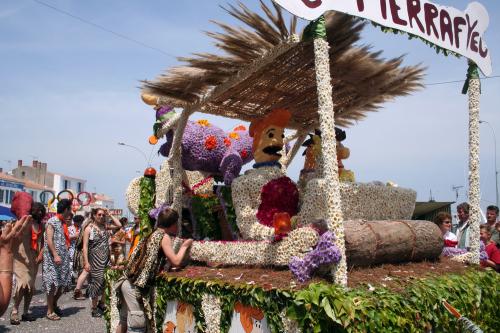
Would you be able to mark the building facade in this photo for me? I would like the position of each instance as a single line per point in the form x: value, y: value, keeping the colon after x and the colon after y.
x: 8, y: 187
x: 37, y: 173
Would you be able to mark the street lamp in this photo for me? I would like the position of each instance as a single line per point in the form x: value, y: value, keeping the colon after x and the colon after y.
x: 135, y: 148
x: 495, y: 146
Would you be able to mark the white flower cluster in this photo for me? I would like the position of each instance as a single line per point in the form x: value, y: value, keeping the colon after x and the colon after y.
x: 474, y: 186
x: 262, y: 253
x: 133, y: 195
x: 332, y: 211
x: 290, y: 325
x: 211, y: 307
x: 163, y: 182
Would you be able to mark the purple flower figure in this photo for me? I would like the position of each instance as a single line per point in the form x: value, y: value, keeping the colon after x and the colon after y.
x: 154, y: 212
x: 325, y: 253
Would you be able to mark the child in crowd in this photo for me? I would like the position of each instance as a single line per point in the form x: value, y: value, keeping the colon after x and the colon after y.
x: 493, y: 252
x: 117, y: 257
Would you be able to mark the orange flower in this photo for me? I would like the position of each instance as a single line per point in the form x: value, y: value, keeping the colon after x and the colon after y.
x: 211, y: 142
x: 203, y: 122
x: 227, y: 142
x: 234, y: 135
x: 240, y: 128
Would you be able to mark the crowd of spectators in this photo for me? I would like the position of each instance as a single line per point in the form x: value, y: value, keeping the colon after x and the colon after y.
x: 457, y: 238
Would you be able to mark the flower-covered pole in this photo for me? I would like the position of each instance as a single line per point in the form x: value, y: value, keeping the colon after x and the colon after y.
x: 329, y: 167
x: 176, y: 157
x: 473, y: 86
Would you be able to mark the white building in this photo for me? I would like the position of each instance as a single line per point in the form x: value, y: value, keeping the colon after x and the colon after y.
x: 38, y: 173
x: 8, y: 187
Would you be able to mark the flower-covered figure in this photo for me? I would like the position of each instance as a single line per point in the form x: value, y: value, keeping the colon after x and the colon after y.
x: 205, y: 147
x: 263, y: 197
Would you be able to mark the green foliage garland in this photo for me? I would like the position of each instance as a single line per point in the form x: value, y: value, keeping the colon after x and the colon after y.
x: 271, y: 302
x: 475, y: 294
x: 205, y: 210
x: 207, y: 220
x: 437, y: 48
x: 146, y: 203
x: 329, y: 308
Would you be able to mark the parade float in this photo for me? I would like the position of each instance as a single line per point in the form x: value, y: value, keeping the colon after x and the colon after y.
x: 324, y: 253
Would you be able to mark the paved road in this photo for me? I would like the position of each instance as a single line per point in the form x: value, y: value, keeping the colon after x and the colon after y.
x: 76, y: 317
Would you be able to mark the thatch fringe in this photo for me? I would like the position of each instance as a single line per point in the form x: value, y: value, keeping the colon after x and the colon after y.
x: 361, y: 80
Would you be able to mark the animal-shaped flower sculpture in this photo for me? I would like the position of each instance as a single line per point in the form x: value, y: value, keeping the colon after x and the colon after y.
x: 208, y: 148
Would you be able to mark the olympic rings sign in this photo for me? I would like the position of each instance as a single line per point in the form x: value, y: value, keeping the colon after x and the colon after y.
x: 82, y: 199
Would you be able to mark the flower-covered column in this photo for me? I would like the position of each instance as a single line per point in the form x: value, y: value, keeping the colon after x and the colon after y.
x: 176, y: 157
x: 329, y: 167
x: 474, y: 90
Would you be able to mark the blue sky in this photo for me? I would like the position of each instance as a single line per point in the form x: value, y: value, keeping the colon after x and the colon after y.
x: 69, y: 92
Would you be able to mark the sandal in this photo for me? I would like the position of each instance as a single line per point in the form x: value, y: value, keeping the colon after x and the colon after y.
x: 53, y: 316
x: 14, y: 318
x: 58, y: 311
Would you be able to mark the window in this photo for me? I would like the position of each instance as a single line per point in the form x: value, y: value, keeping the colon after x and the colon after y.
x: 23, y: 174
x: 79, y: 187
x: 1, y: 195
x: 11, y: 196
x: 66, y: 184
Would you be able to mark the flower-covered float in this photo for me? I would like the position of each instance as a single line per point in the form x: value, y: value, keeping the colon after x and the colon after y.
x: 262, y: 222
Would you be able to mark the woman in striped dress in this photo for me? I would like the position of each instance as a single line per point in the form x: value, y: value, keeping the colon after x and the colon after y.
x: 96, y: 258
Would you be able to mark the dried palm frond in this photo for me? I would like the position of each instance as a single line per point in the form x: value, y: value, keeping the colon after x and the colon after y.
x: 263, y: 68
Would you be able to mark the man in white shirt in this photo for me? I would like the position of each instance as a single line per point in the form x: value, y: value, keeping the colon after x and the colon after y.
x: 462, y: 229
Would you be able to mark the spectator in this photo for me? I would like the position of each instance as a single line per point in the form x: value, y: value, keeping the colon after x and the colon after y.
x: 96, y: 258
x: 8, y: 233
x: 443, y: 221
x: 462, y: 230
x: 491, y: 249
x: 27, y: 256
x: 145, y: 262
x: 491, y: 220
x: 56, y: 268
x: 78, y: 260
x: 74, y: 233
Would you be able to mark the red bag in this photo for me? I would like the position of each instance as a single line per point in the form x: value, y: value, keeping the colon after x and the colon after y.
x: 21, y: 204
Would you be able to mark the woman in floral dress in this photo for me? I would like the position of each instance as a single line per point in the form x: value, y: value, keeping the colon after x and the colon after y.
x: 56, y: 261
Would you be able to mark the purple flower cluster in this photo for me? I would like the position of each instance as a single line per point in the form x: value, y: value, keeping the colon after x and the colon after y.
x: 325, y: 253
x: 482, y: 252
x: 452, y: 251
x: 154, y: 212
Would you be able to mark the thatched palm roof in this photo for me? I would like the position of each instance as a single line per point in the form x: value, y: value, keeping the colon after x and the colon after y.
x: 267, y: 66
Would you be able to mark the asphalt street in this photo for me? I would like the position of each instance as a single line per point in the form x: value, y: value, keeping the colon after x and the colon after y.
x: 76, y: 316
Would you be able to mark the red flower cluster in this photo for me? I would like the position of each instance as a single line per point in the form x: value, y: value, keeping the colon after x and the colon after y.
x: 244, y: 153
x: 211, y: 142
x: 227, y: 142
x: 278, y: 196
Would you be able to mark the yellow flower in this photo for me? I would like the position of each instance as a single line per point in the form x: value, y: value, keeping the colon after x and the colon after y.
x: 203, y: 122
x: 234, y: 135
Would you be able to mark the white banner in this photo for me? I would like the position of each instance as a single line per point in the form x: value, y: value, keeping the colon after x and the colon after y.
x: 447, y: 27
